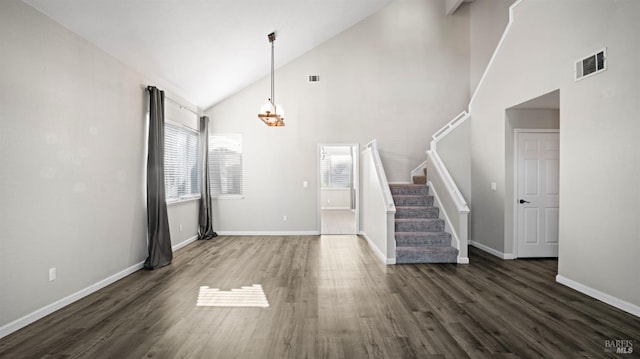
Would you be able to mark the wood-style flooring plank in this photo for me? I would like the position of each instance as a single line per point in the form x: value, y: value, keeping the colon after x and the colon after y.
x: 329, y: 297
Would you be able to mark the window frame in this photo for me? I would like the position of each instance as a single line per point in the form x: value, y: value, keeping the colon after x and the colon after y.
x: 213, y: 195
x: 184, y: 197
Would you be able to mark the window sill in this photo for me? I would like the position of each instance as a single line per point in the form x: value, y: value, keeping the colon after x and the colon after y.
x: 231, y: 196
x: 183, y: 200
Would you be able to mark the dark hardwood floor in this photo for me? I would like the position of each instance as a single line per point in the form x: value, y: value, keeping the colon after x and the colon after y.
x: 330, y: 297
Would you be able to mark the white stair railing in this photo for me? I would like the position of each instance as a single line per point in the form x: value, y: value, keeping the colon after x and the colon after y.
x: 452, y: 204
x: 377, y: 207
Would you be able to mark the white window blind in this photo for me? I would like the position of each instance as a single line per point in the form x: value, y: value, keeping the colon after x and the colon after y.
x: 335, y: 171
x: 225, y: 164
x: 181, y: 170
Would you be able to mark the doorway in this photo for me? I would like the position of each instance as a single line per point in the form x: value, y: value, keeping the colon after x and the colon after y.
x: 338, y: 195
x: 537, y: 187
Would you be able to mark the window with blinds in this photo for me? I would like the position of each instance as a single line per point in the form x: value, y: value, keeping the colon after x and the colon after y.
x: 181, y: 170
x: 335, y: 171
x: 225, y: 164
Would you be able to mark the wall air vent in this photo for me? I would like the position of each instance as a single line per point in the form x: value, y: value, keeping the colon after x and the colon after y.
x: 314, y: 78
x: 591, y: 65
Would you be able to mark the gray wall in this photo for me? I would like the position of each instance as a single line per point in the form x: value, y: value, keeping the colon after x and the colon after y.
x: 72, y: 159
x: 397, y: 76
x: 599, y: 151
x: 455, y: 151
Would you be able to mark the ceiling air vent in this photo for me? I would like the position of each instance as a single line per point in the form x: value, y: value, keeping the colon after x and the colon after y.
x: 314, y: 78
x: 591, y: 65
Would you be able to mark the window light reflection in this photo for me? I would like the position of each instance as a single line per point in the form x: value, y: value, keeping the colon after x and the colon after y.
x: 252, y: 296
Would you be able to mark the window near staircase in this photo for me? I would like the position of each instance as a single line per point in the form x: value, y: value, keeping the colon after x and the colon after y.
x: 181, y: 170
x: 225, y: 164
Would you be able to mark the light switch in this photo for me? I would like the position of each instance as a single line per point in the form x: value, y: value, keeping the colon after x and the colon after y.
x: 493, y: 186
x: 305, y: 184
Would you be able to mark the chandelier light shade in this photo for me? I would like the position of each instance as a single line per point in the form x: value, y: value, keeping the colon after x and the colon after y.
x: 270, y: 113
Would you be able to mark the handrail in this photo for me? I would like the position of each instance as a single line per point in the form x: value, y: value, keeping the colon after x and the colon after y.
x: 418, y: 170
x: 461, y: 204
x: 382, y: 177
x: 452, y: 125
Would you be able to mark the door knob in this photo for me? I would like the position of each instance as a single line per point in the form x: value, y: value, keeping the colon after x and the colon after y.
x: 523, y: 201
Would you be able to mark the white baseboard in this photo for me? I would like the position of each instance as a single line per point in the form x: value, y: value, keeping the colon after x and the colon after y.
x: 377, y: 250
x: 601, y: 296
x: 59, y: 304
x: 463, y: 260
x: 184, y: 243
x: 46, y: 310
x: 492, y: 251
x: 268, y: 233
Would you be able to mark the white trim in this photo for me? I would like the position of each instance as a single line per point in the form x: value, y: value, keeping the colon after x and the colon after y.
x: 495, y: 52
x: 450, y: 185
x: 377, y: 250
x: 183, y: 199
x: 516, y: 183
x: 331, y: 208
x: 601, y: 296
x: 59, y: 304
x: 268, y: 233
x: 463, y: 260
x: 382, y: 177
x: 355, y: 180
x: 184, y: 243
x: 492, y: 251
x: 446, y: 129
x: 449, y: 225
x: 418, y: 171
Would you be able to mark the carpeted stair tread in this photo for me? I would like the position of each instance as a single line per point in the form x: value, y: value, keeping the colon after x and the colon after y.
x: 416, y: 212
x: 419, y: 225
x: 413, y: 200
x: 409, y: 189
x: 422, y: 239
x: 429, y: 254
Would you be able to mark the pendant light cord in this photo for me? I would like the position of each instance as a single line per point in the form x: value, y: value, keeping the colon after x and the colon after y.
x: 273, y: 100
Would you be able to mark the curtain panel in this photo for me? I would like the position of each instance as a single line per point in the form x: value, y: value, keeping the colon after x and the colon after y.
x: 159, y: 238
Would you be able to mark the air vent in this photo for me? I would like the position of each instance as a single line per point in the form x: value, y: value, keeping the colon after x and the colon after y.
x: 314, y: 78
x: 591, y: 65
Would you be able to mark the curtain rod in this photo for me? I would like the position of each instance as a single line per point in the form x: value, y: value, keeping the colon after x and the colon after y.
x: 175, y: 101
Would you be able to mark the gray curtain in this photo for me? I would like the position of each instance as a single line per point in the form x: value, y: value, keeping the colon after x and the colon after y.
x: 205, y: 224
x: 159, y: 245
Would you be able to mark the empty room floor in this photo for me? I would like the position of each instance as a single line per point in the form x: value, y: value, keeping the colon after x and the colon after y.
x: 327, y: 297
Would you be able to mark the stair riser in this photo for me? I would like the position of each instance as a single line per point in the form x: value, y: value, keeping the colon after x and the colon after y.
x: 435, y: 225
x: 409, y: 190
x: 413, y: 201
x: 427, y: 239
x: 418, y: 212
x: 427, y: 255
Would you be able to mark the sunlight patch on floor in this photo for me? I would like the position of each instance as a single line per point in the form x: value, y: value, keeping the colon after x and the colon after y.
x: 243, y: 297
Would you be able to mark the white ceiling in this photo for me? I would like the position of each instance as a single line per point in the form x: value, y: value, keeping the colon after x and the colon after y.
x: 206, y: 50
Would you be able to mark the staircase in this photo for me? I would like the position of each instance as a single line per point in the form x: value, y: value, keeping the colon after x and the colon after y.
x: 420, y: 235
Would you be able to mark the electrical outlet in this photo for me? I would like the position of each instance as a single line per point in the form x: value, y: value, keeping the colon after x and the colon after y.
x: 52, y: 274
x: 284, y: 218
x: 180, y: 228
x: 493, y: 186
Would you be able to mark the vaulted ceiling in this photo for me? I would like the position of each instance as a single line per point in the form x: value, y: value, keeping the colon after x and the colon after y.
x: 206, y: 50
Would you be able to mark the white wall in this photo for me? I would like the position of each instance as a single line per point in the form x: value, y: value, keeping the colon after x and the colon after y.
x: 397, y: 76
x: 488, y: 19
x: 72, y: 161
x: 335, y: 198
x: 600, y: 155
x: 455, y: 151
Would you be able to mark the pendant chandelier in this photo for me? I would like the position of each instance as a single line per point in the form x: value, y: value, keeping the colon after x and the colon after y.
x: 270, y: 113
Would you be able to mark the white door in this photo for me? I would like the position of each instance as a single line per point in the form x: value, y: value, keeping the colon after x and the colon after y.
x: 538, y: 160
